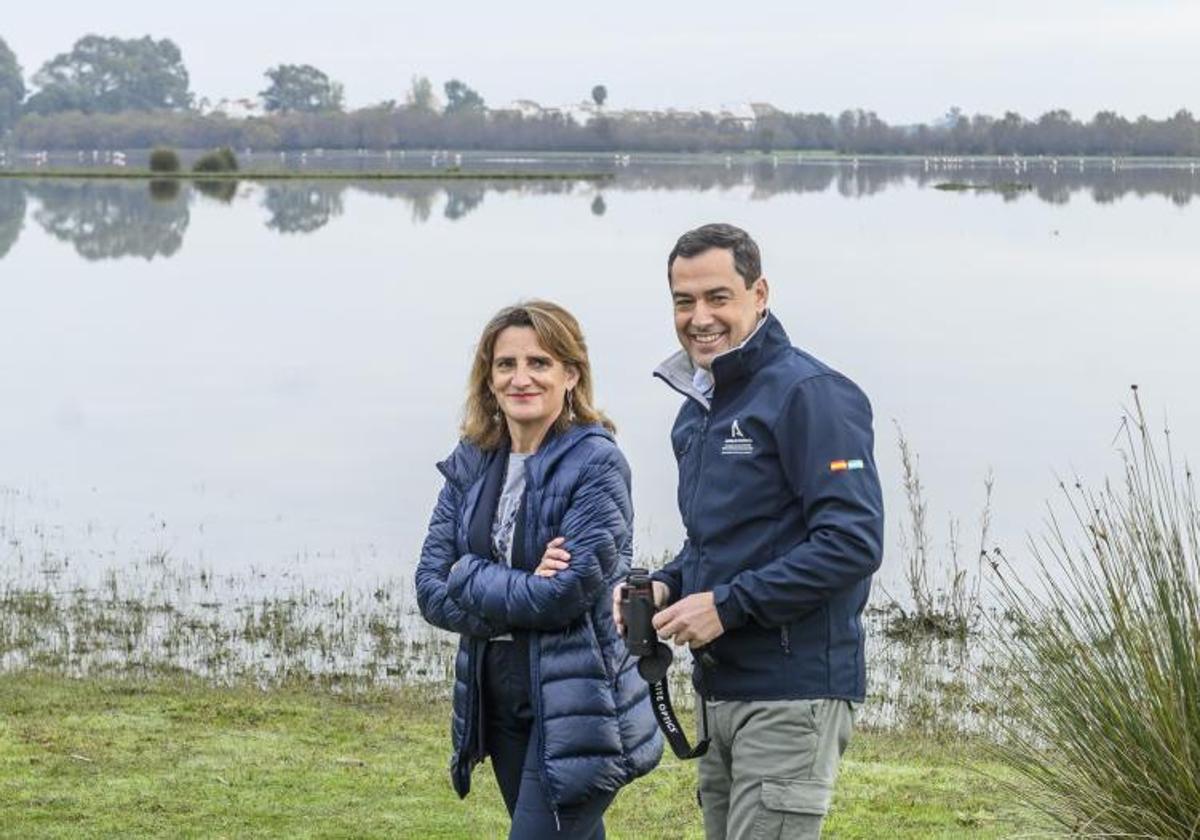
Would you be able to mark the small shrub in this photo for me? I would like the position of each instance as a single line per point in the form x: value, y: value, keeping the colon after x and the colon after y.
x: 218, y: 160
x: 164, y: 160
x: 1107, y: 645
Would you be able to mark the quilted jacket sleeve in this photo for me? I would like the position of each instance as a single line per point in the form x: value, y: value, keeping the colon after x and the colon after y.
x: 437, y: 556
x: 597, y: 524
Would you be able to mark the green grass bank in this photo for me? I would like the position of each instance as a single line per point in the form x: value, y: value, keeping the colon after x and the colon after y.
x: 178, y: 758
x: 449, y: 174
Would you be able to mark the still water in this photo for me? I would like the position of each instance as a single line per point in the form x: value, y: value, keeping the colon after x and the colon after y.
x: 261, y: 376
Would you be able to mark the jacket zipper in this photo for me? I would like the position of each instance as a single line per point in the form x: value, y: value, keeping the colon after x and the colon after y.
x: 785, y: 640
x: 699, y: 465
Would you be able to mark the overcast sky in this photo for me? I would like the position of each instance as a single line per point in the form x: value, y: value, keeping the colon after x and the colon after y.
x: 908, y: 61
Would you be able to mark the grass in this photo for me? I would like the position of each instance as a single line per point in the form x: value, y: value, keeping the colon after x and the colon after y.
x: 1116, y: 609
x: 178, y: 758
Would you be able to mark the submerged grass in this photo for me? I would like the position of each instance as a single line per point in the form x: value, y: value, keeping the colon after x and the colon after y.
x: 943, y: 598
x: 174, y: 757
x: 999, y: 186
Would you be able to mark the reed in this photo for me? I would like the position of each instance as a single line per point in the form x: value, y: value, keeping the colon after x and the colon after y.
x: 1105, y: 724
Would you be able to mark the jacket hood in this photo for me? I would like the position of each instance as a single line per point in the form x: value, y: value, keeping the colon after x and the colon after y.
x: 467, y: 462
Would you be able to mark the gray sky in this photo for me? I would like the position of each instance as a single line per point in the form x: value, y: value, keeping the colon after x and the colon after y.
x: 907, y: 61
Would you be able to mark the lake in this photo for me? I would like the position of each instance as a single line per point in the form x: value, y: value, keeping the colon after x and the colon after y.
x: 258, y: 378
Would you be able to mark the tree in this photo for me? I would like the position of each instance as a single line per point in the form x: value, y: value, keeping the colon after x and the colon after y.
x: 420, y: 95
x: 12, y: 88
x: 461, y: 98
x: 106, y: 75
x: 301, y: 87
x: 599, y: 95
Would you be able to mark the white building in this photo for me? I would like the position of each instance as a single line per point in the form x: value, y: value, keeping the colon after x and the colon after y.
x: 234, y: 109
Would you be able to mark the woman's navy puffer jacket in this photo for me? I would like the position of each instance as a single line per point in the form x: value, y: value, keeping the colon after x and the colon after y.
x: 596, y: 727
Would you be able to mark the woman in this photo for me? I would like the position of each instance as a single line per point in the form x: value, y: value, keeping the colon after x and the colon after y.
x: 531, y: 530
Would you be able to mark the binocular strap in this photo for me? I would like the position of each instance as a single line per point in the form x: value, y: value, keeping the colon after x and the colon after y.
x: 654, y: 671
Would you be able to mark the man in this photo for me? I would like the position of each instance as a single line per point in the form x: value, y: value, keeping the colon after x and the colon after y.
x: 780, y: 498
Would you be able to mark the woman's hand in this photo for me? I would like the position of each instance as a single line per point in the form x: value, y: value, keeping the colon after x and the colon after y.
x: 554, y: 560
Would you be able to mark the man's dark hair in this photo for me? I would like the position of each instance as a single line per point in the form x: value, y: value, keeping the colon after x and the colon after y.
x: 746, y: 259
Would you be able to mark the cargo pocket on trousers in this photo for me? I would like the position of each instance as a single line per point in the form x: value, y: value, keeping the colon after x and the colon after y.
x: 791, y: 808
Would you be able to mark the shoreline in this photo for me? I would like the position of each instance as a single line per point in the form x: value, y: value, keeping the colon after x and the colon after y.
x: 321, y: 175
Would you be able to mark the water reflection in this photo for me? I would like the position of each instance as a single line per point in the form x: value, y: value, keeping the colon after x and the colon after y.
x: 104, y: 220
x: 12, y: 214
x: 164, y: 189
x: 303, y: 208
x: 460, y: 202
x: 218, y: 189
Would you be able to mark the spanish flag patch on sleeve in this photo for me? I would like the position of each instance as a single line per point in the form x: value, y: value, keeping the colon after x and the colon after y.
x: 839, y: 466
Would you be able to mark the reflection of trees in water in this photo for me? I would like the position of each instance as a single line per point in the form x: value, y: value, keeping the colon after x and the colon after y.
x: 462, y: 196
x: 113, y: 219
x: 12, y: 214
x: 303, y: 208
x: 223, y: 190
x: 462, y: 199
x: 107, y: 220
x: 1055, y: 185
x: 164, y: 189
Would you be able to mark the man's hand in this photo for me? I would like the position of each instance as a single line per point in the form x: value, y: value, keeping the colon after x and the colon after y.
x: 662, y: 593
x: 692, y: 621
x: 554, y: 560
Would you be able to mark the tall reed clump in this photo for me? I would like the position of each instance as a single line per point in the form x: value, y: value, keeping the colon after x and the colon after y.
x: 1106, y: 649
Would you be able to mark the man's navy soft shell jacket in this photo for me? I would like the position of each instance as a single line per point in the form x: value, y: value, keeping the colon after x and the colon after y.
x: 781, y: 501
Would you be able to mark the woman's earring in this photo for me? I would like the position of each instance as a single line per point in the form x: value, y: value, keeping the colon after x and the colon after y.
x: 570, y: 405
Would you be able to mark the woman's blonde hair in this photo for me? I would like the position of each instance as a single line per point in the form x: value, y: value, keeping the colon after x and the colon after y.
x: 559, y: 335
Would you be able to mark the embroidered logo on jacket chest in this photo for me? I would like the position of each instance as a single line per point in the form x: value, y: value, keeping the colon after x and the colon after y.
x: 737, y: 443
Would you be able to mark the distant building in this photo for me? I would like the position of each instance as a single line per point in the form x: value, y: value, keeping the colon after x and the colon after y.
x: 234, y: 109
x: 744, y: 114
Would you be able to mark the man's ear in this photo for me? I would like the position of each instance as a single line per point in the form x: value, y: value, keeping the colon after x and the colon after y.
x: 761, y: 292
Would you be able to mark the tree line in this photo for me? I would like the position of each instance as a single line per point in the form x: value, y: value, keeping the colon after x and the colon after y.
x: 135, y: 93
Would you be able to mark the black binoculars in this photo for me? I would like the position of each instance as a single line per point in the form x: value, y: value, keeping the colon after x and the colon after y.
x: 654, y: 659
x: 637, y: 612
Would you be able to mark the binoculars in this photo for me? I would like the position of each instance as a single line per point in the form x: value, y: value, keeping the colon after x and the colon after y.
x: 637, y: 611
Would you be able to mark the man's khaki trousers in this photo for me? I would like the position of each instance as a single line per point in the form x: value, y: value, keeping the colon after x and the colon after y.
x: 770, y: 767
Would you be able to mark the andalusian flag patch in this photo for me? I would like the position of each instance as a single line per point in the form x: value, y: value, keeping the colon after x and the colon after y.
x: 838, y: 466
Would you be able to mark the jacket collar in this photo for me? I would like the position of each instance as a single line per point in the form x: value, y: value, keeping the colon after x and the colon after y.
x: 768, y: 339
x: 468, y: 462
